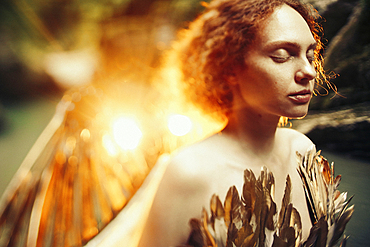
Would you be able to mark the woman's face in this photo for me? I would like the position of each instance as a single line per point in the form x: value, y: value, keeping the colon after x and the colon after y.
x: 278, y: 78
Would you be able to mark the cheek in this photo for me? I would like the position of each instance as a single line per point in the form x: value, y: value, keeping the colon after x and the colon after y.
x: 280, y: 86
x: 282, y: 80
x: 273, y: 76
x: 264, y: 80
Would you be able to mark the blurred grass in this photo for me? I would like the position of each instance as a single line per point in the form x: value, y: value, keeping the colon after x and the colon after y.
x: 24, y: 122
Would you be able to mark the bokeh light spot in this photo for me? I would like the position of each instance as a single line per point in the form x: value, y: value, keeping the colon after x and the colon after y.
x: 126, y: 133
x: 179, y: 125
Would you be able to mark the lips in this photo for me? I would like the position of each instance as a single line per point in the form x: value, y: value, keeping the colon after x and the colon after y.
x: 301, y: 97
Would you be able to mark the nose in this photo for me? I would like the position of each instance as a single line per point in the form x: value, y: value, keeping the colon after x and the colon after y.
x: 305, y: 72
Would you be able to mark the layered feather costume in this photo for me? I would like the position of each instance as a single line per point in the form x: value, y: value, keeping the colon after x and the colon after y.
x: 252, y: 220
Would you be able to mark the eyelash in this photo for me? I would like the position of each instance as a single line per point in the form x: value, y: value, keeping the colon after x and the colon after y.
x: 283, y: 59
x: 311, y: 59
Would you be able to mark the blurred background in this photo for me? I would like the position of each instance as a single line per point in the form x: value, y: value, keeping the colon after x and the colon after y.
x: 48, y: 47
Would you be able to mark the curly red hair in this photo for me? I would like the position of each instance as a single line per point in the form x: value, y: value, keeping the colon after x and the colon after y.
x: 217, y: 41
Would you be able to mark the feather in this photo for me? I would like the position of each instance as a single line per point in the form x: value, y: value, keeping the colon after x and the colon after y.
x: 307, y: 189
x: 232, y: 235
x: 196, y: 238
x: 251, y: 222
x: 344, y: 242
x: 285, y: 202
x: 232, y: 208
x: 324, y: 201
x: 220, y: 232
x: 279, y: 242
x: 249, y: 194
x: 297, y: 224
x: 340, y: 224
x: 69, y: 188
x: 260, y: 211
x: 208, y: 239
x: 217, y: 210
x: 318, y: 234
x: 217, y: 221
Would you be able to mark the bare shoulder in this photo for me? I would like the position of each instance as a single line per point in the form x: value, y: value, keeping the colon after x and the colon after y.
x: 187, y: 168
x: 194, y: 159
x: 182, y: 168
x: 295, y: 139
x: 179, y: 197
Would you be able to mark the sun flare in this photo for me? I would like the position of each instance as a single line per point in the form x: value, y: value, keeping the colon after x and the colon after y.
x: 126, y: 133
x: 179, y: 125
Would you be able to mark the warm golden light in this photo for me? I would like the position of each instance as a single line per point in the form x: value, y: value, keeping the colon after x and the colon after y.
x: 179, y: 125
x: 126, y: 133
x: 71, y: 68
x: 109, y: 145
x: 85, y: 135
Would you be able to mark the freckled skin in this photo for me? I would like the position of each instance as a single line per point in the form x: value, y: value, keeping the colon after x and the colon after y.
x: 278, y: 65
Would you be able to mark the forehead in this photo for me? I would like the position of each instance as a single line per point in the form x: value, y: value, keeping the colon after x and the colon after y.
x: 285, y: 24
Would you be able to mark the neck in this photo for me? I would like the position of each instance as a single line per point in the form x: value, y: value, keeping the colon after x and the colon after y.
x: 252, y: 130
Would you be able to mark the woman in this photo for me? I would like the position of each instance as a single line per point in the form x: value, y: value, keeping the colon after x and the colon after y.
x: 252, y: 61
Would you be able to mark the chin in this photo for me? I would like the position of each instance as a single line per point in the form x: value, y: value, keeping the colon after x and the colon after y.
x: 294, y: 111
x: 300, y: 116
x: 297, y: 115
x: 298, y: 112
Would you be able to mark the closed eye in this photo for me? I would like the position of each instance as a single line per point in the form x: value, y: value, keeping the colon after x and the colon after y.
x: 281, y: 55
x: 310, y: 55
x: 283, y: 51
x: 311, y: 59
x: 280, y: 59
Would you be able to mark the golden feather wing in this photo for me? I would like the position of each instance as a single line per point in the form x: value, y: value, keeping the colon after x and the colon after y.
x: 73, y: 182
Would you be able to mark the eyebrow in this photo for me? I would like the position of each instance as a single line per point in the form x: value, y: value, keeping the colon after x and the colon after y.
x: 295, y: 45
